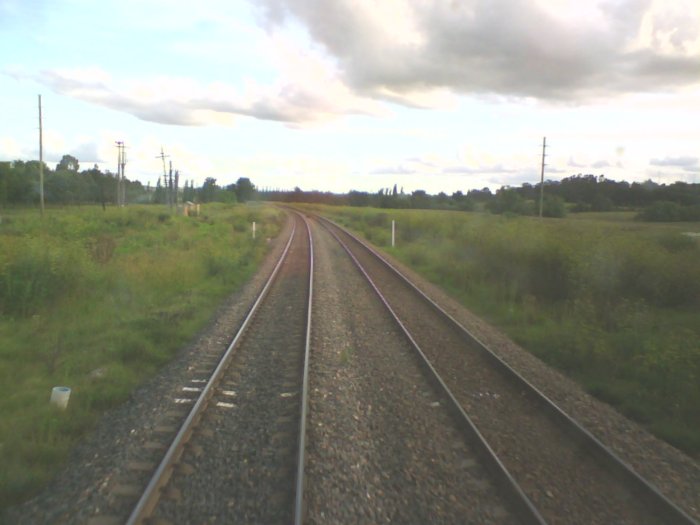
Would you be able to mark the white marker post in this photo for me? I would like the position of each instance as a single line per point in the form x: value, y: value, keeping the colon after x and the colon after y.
x: 393, y: 233
x: 253, y: 229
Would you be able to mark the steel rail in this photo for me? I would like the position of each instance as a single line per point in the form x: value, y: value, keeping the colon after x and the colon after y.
x: 665, y: 508
x: 522, y: 506
x: 301, y: 457
x: 149, y: 498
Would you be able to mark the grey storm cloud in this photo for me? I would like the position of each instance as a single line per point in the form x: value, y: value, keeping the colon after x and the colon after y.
x: 501, y: 47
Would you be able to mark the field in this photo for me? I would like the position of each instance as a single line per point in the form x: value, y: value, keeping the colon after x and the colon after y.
x: 98, y: 301
x: 611, y: 302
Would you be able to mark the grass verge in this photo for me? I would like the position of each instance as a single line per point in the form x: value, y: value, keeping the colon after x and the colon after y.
x: 99, y: 301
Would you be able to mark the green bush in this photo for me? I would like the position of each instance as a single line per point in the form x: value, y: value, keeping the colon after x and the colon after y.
x: 37, y: 271
x: 664, y: 211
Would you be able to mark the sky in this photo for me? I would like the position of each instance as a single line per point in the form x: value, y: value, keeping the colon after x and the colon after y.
x: 334, y: 95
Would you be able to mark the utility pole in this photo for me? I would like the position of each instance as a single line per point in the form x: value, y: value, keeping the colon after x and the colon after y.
x: 41, y: 160
x: 121, y: 185
x: 165, y: 174
x: 170, y: 186
x: 544, y: 147
x: 123, y: 163
x: 177, y: 184
x: 119, y: 172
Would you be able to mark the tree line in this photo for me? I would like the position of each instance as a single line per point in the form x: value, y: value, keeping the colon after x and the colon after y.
x: 67, y: 185
x: 679, y: 201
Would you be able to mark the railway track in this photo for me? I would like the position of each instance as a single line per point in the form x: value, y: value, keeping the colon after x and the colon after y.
x: 243, y: 440
x: 553, y: 469
x: 399, y: 452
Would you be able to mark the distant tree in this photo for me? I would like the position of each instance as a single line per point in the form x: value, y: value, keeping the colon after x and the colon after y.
x: 358, y: 198
x: 482, y: 195
x: 5, y: 174
x: 23, y: 181
x: 463, y: 202
x: 508, y: 200
x: 602, y: 203
x: 207, y: 192
x: 245, y: 190
x: 227, y: 194
x: 189, y: 193
x: 68, y: 163
x: 159, y: 193
x: 420, y: 199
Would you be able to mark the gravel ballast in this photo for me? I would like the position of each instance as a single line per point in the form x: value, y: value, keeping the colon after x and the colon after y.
x: 382, y: 448
x: 672, y: 472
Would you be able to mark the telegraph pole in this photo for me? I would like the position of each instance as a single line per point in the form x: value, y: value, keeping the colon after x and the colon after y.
x: 177, y: 183
x: 165, y: 174
x: 123, y: 163
x: 41, y: 160
x: 170, y: 185
x: 544, y: 147
x: 119, y: 172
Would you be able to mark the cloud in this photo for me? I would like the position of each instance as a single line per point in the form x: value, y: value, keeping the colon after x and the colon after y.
x: 575, y: 164
x: 312, y: 94
x: 600, y: 164
x: 405, y: 50
x: 392, y: 170
x: 10, y: 149
x: 691, y: 164
x: 87, y: 153
x: 471, y: 170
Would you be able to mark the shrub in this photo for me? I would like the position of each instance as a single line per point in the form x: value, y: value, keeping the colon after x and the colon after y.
x: 553, y: 206
x: 39, y: 271
x: 661, y: 211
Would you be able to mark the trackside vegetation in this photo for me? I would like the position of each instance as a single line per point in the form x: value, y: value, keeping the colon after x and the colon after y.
x: 610, y: 301
x: 98, y: 301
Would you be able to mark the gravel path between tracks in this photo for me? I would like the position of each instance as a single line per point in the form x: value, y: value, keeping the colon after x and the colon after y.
x: 89, y: 484
x: 381, y: 447
x: 673, y: 472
